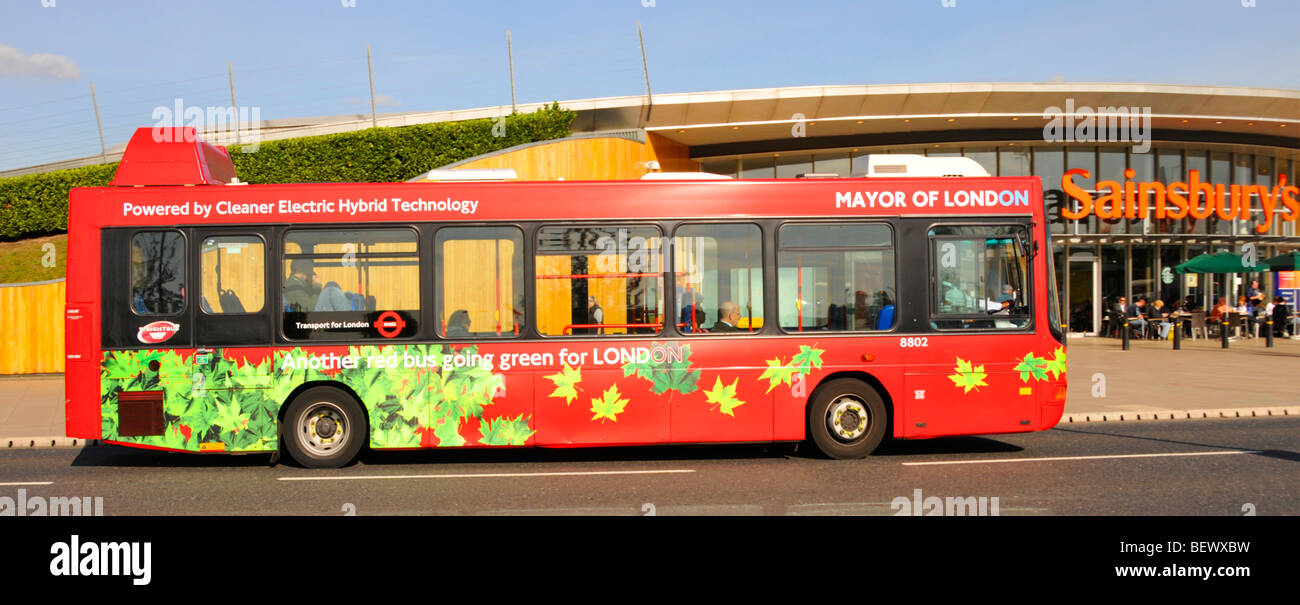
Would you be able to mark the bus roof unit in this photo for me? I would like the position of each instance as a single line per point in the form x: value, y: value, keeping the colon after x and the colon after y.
x: 172, y: 156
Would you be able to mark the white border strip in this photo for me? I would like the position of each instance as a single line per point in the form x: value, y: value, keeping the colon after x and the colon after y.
x: 1228, y: 453
x: 488, y: 475
x: 17, y: 483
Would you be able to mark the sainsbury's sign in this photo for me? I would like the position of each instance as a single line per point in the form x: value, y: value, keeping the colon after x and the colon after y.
x: 1191, y: 199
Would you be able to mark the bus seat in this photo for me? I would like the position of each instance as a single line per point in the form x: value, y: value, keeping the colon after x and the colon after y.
x: 886, y: 319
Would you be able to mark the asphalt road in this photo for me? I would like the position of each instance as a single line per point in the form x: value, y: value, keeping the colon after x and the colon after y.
x: 1180, y: 467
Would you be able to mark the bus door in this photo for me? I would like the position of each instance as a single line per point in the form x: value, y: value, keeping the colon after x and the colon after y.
x: 976, y: 371
x: 233, y: 309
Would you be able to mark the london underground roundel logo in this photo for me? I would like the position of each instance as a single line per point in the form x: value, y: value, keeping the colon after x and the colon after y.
x: 389, y: 324
x: 156, y: 332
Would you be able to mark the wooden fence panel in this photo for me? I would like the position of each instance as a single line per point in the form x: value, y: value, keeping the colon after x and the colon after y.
x: 31, y: 328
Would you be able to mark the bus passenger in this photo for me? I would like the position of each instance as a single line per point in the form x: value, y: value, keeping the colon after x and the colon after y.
x: 458, y: 324
x: 728, y: 317
x: 595, y: 315
x: 332, y: 298
x: 300, y: 289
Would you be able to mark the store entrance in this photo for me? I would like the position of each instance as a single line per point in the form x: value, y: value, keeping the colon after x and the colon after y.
x: 1085, y: 295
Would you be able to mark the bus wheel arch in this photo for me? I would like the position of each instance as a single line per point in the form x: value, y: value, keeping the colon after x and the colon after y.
x: 323, y: 424
x: 849, y: 414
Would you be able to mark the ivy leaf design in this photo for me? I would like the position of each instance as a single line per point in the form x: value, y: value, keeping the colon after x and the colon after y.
x: 807, y: 358
x: 968, y: 377
x: 609, y: 405
x: 667, y: 376
x: 724, y: 397
x: 1032, y: 366
x: 566, y: 382
x: 777, y: 373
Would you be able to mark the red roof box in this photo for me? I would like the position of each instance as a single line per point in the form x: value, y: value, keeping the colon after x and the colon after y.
x: 172, y: 156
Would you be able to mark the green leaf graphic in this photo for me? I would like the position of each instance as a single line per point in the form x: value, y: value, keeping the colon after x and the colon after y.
x: 724, y: 397
x: 566, y: 382
x: 968, y: 377
x: 609, y: 405
x: 777, y: 373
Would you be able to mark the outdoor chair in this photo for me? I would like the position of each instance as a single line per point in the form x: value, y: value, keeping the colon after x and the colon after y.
x: 1197, y: 321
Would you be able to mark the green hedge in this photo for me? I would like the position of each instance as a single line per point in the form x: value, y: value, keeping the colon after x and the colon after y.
x: 37, y: 204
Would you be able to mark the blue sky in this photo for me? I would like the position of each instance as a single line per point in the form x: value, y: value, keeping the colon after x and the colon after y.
x: 307, y: 57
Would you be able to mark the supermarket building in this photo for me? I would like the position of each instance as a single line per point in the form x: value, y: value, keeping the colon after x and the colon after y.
x: 1243, y: 142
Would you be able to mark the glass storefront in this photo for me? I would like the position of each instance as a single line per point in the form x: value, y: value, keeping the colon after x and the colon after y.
x: 1107, y: 258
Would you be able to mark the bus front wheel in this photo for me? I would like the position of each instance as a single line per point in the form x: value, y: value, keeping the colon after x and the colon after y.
x: 847, y: 419
x: 324, y: 428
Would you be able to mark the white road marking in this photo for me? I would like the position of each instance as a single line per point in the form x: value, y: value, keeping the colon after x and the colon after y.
x: 1228, y: 453
x: 488, y: 475
x: 17, y: 483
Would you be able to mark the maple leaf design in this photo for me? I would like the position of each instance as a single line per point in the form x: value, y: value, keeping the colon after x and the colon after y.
x: 968, y: 377
x: 807, y: 358
x: 1032, y: 366
x: 724, y: 397
x: 777, y: 373
x: 1057, y: 364
x: 609, y: 405
x: 566, y: 383
x: 505, y: 431
x: 667, y: 375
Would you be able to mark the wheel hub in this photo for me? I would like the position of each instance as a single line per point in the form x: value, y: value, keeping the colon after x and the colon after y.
x: 847, y: 418
x: 326, y: 427
x: 322, y: 429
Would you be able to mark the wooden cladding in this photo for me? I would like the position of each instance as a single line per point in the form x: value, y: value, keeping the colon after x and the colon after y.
x: 594, y: 159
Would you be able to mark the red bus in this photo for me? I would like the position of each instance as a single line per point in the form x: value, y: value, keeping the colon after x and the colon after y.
x: 209, y: 315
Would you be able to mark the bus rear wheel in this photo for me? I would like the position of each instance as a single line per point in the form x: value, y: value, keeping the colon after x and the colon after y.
x: 324, y: 428
x: 847, y: 419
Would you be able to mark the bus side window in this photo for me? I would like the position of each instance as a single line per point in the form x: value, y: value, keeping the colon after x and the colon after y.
x: 980, y: 278
x: 719, y: 278
x: 836, y: 277
x: 599, y: 280
x: 233, y: 275
x: 480, y: 282
x: 362, y: 283
x: 158, y: 273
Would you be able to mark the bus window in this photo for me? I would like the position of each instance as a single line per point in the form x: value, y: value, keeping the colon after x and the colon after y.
x: 980, y: 277
x: 599, y: 280
x: 233, y: 274
x: 836, y: 277
x: 480, y: 286
x: 158, y: 273
x: 351, y: 284
x: 719, y: 274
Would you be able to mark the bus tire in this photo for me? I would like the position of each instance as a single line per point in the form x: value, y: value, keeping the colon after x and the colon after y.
x: 847, y: 419
x: 324, y: 428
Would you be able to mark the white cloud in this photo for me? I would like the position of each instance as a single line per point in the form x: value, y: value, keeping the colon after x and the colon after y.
x: 38, y: 65
x: 386, y: 101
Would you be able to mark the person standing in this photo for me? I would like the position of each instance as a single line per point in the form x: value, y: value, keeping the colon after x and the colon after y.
x: 595, y: 315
